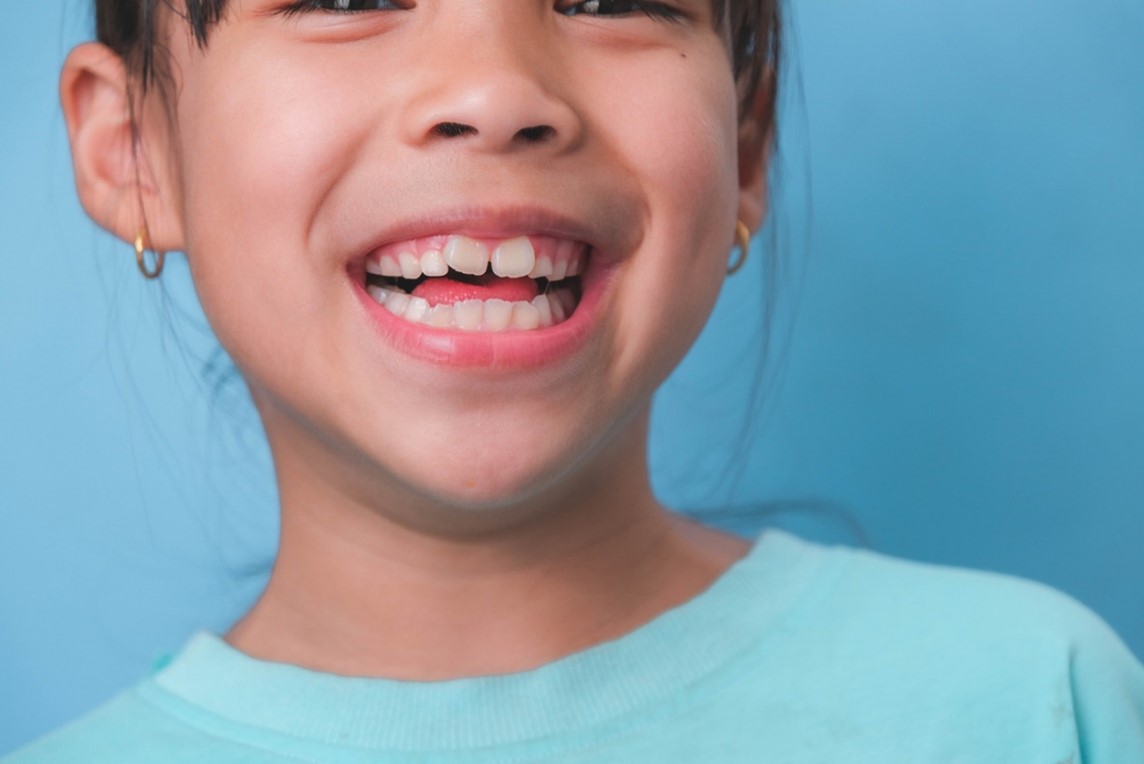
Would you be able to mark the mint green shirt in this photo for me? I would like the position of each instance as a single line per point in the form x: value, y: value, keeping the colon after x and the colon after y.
x: 799, y: 653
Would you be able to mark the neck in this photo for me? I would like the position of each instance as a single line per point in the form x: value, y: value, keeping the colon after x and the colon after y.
x: 355, y: 592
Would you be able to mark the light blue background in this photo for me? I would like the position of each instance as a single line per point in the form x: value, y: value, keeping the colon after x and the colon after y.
x: 961, y: 210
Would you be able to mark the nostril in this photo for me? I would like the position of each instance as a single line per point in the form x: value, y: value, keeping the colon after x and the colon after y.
x: 453, y: 129
x: 531, y: 135
x: 536, y: 133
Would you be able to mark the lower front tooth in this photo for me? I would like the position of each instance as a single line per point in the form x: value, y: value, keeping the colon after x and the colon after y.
x: 417, y: 310
x: 469, y: 314
x: 544, y: 308
x: 472, y: 315
x: 440, y: 316
x: 525, y: 316
x: 567, y: 301
x: 558, y: 311
x: 498, y: 315
x: 396, y: 303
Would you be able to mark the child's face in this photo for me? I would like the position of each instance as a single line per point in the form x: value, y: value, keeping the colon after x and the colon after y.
x: 304, y: 143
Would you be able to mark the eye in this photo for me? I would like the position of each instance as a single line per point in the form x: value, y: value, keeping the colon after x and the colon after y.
x: 340, y: 6
x: 622, y: 8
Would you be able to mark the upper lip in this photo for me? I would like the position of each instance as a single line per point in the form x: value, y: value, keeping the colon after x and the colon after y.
x: 504, y: 221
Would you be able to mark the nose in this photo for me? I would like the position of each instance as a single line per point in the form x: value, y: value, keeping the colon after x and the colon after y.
x: 499, y: 96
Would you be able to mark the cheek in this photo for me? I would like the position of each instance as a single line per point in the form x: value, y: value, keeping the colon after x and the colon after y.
x: 265, y: 155
x: 682, y: 144
x: 675, y: 118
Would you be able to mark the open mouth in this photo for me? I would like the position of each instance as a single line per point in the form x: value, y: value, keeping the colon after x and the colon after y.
x: 479, y: 285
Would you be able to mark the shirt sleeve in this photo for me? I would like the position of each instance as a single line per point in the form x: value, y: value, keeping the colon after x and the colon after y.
x: 1108, y: 697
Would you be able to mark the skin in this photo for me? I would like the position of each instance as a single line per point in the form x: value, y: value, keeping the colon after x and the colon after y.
x: 439, y: 522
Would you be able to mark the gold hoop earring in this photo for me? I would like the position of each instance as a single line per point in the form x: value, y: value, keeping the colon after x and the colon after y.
x: 743, y: 242
x: 141, y: 260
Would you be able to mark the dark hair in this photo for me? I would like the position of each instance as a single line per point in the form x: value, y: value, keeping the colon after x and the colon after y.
x: 128, y: 27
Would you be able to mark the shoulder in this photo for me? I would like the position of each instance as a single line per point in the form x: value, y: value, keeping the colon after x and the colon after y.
x: 127, y: 729
x: 982, y: 645
x: 856, y: 600
x: 978, y: 614
x: 859, y: 593
x: 969, y: 601
x: 980, y: 608
x: 117, y: 730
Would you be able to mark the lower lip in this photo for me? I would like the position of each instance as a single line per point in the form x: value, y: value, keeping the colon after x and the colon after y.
x: 495, y: 350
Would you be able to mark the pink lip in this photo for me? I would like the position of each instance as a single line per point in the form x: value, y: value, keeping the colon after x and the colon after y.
x: 510, y: 350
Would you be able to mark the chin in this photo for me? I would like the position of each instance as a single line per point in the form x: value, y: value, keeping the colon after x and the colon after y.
x: 488, y: 485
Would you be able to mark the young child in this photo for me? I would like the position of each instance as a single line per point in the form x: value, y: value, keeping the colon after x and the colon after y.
x: 453, y: 246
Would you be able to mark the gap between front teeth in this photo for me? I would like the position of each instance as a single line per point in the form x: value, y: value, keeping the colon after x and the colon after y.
x: 512, y: 258
x: 478, y: 315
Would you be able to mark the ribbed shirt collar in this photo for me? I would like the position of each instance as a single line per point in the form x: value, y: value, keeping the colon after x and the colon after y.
x: 675, y: 650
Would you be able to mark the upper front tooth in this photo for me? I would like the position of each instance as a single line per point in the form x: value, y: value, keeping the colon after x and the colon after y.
x: 559, y: 269
x: 384, y: 265
x: 466, y: 255
x: 575, y: 265
x: 433, y: 264
x: 410, y: 265
x: 514, y: 258
x: 542, y: 269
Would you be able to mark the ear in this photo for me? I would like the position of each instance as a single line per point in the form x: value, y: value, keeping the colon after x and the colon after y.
x: 117, y: 184
x: 756, y: 137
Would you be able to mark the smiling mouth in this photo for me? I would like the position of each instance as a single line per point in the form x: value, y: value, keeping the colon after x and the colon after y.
x: 479, y: 285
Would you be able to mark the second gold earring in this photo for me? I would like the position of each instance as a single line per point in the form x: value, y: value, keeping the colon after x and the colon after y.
x: 743, y: 244
x: 141, y: 246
